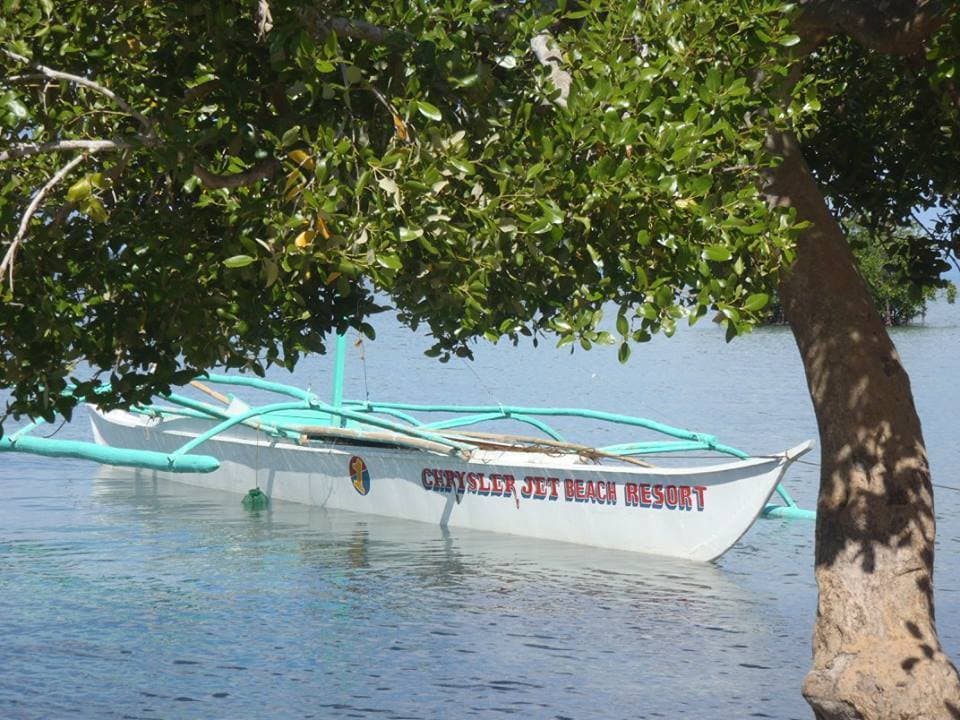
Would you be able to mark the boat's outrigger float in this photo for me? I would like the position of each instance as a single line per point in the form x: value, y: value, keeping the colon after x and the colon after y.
x: 380, y: 458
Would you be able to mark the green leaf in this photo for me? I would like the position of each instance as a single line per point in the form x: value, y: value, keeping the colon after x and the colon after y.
x: 428, y: 110
x: 700, y: 185
x: 387, y: 185
x: 623, y: 354
x: 717, y: 253
x: 713, y: 80
x: 80, y: 190
x: 238, y: 261
x: 623, y: 327
x: 95, y: 210
x: 756, y: 302
x: 290, y: 136
x: 465, y: 81
x: 392, y: 262
x: 14, y: 107
x: 407, y: 234
x: 789, y: 40
x: 539, y: 226
x: 649, y: 312
x: 270, y: 272
x: 465, y: 167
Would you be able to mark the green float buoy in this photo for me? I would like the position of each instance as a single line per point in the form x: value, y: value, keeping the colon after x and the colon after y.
x: 256, y: 499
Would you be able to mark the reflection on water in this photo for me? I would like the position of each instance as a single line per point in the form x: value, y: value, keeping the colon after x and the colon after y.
x: 121, y: 597
x: 162, y: 600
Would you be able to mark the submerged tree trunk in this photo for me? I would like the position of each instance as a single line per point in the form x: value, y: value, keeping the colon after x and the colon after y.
x: 876, y: 653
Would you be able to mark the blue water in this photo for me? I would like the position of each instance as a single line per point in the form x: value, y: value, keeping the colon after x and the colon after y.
x: 123, y: 598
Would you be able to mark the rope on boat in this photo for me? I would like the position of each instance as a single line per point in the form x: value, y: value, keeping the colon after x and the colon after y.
x: 487, y: 390
x: 813, y: 463
x: 363, y: 365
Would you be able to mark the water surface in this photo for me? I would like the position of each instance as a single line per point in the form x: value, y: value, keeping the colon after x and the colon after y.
x: 121, y: 597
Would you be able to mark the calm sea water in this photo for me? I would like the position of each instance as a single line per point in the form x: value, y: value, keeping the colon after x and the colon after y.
x: 121, y: 598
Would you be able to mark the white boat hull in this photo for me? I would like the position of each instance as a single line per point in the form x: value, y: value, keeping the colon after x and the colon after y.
x: 693, y: 513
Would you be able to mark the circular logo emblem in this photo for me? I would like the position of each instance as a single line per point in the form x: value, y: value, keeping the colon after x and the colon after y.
x: 359, y: 475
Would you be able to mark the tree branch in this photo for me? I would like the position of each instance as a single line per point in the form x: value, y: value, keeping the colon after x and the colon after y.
x: 6, y: 265
x: 261, y: 171
x: 897, y: 27
x: 80, y: 80
x: 22, y: 78
x: 359, y: 29
x: 263, y: 19
x: 549, y: 55
x: 27, y: 149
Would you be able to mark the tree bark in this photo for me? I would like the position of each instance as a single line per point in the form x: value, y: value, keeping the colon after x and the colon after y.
x: 876, y: 653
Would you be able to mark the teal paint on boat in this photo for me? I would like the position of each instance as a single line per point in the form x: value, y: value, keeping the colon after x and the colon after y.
x: 486, y: 417
x: 401, y: 429
x: 787, y: 512
x: 105, y: 455
x: 511, y: 412
x: 27, y: 429
x: 214, y: 412
x: 787, y: 498
x: 308, y: 401
x: 339, y: 361
x: 366, y: 406
x: 651, y: 448
x: 233, y: 421
x: 265, y: 385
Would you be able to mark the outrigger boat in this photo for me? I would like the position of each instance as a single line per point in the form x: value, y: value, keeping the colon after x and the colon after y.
x: 378, y: 458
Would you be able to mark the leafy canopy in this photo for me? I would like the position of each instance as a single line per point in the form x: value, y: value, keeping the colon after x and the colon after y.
x: 247, y: 182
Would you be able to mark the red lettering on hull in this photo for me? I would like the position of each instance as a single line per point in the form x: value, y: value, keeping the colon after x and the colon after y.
x: 537, y: 487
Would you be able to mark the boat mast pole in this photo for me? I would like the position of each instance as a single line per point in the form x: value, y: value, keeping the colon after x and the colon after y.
x: 339, y: 362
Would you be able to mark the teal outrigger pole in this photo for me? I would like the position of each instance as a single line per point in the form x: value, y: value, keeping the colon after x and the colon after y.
x: 366, y: 421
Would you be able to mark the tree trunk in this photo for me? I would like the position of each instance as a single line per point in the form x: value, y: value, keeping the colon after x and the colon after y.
x: 876, y: 653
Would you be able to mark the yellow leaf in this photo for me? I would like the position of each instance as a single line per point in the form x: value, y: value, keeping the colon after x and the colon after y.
x: 324, y: 230
x: 294, y: 185
x: 401, y: 128
x: 331, y: 277
x: 304, y: 239
x: 302, y: 159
